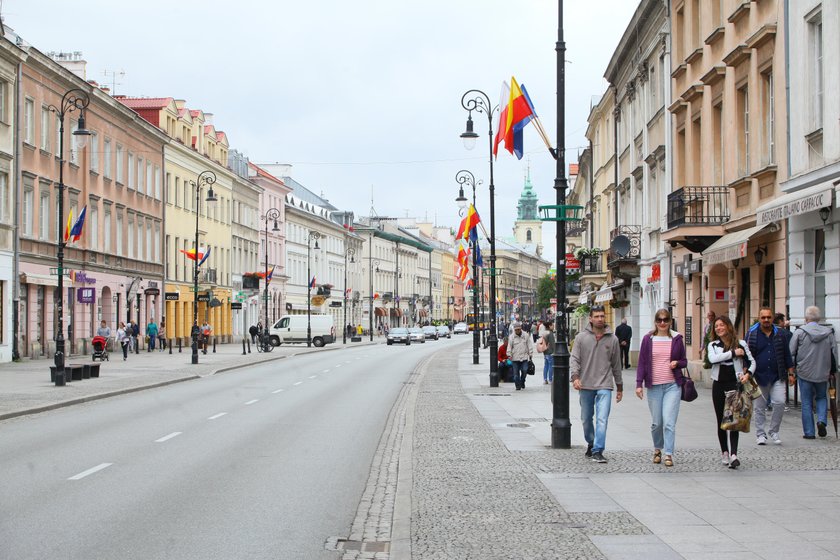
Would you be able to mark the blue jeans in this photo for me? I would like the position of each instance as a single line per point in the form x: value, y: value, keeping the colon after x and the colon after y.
x: 664, y: 405
x: 595, y: 404
x: 548, y: 364
x: 808, y: 391
x: 520, y: 372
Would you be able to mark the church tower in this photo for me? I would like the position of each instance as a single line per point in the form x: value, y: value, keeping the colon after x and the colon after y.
x: 527, y: 230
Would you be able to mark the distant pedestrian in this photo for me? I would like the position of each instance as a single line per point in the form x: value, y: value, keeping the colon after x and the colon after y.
x: 661, y: 361
x: 124, y: 339
x: 162, y: 335
x: 103, y: 330
x: 520, y: 350
x: 505, y: 365
x: 549, y: 343
x: 135, y: 335
x: 360, y: 329
x: 206, y: 330
x: 624, y: 332
x: 534, y: 331
x: 774, y: 366
x: 727, y: 355
x: 151, y: 334
x: 348, y: 330
x: 595, y: 366
x: 814, y: 353
x: 253, y: 331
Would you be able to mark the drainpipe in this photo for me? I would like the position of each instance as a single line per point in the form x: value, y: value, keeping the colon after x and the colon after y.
x: 616, y: 115
x: 591, y: 193
x: 18, y: 189
x: 786, y: 223
x: 668, y: 185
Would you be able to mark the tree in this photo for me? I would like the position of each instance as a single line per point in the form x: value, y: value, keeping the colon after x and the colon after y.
x: 545, y: 291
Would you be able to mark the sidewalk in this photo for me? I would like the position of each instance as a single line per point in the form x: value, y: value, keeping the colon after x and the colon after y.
x: 780, y: 503
x: 25, y: 386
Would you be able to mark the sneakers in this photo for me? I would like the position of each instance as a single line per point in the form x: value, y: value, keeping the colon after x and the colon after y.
x: 724, y: 457
x: 734, y: 463
x: 599, y: 457
x: 760, y: 440
x: 588, y: 450
x: 821, y: 429
x: 809, y: 437
x: 775, y: 439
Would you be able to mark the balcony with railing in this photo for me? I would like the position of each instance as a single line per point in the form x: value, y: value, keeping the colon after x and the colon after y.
x: 591, y: 264
x: 698, y: 206
x: 633, y: 247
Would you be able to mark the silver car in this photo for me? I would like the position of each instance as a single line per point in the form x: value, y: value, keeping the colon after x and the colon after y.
x: 443, y: 331
x: 417, y: 335
x: 398, y: 335
x: 461, y: 328
x: 431, y: 333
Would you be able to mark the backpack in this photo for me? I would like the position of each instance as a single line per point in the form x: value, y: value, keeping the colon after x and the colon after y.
x: 135, y: 329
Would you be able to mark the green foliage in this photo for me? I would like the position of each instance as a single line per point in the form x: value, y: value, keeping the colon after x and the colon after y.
x: 545, y: 291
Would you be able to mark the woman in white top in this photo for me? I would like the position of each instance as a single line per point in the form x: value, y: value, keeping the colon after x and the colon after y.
x: 726, y: 354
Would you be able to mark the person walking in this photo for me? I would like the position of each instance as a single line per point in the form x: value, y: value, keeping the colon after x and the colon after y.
x: 151, y: 334
x: 253, y: 331
x: 814, y: 353
x: 595, y: 367
x: 162, y: 335
x: 661, y: 361
x: 624, y: 332
x: 206, y: 329
x: 124, y: 339
x: 549, y: 342
x: 727, y: 355
x: 520, y: 350
x: 773, y: 368
x: 135, y: 336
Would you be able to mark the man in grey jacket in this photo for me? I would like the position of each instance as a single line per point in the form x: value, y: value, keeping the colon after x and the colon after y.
x: 520, y: 350
x: 595, y: 366
x: 814, y: 352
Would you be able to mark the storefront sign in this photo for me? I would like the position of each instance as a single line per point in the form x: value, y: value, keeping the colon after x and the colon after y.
x: 172, y: 296
x: 809, y: 203
x: 719, y: 294
x: 236, y: 305
x: 82, y: 278
x: 571, y: 262
x: 203, y: 297
x: 86, y: 295
x: 152, y: 291
x: 603, y: 295
x: 738, y: 251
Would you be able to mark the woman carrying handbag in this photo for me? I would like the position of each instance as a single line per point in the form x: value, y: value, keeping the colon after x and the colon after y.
x: 661, y: 362
x: 727, y: 355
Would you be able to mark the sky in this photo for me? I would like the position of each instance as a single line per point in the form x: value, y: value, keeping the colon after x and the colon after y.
x: 362, y: 98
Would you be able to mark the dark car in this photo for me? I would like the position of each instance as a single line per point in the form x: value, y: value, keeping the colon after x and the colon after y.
x: 398, y: 335
x: 431, y: 333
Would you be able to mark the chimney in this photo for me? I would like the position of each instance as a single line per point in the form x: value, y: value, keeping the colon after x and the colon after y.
x: 208, y: 118
x: 72, y: 61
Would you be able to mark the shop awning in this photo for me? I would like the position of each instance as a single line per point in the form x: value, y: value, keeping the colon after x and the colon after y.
x: 44, y: 279
x: 379, y: 311
x: 603, y: 295
x: 731, y: 246
x: 795, y: 203
x: 396, y: 312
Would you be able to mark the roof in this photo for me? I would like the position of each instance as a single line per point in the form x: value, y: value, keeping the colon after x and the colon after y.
x: 263, y: 173
x: 144, y: 102
x: 573, y: 169
x: 306, y: 195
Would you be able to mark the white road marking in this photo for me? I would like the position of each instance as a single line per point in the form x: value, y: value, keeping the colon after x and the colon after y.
x: 337, y: 366
x: 89, y: 472
x: 298, y: 383
x: 253, y: 401
x: 312, y: 376
x: 219, y: 415
x: 277, y: 391
x: 325, y: 371
x: 167, y: 438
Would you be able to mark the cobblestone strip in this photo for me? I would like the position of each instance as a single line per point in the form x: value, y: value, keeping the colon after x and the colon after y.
x: 370, y: 533
x: 471, y: 498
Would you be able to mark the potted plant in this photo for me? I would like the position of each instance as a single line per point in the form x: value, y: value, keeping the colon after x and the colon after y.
x: 587, y: 252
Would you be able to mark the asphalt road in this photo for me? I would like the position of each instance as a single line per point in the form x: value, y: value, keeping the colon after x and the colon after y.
x: 265, y: 462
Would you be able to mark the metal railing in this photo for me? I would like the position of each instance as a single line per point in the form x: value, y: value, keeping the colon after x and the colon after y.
x: 698, y: 206
x: 634, y: 234
x: 591, y: 265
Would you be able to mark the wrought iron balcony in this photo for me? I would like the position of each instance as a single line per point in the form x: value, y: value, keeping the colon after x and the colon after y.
x: 573, y: 287
x: 698, y: 206
x: 591, y: 265
x: 634, y: 234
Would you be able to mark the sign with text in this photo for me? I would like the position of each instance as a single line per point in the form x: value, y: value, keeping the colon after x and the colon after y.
x: 86, y: 295
x: 203, y: 297
x: 172, y: 296
x: 796, y: 207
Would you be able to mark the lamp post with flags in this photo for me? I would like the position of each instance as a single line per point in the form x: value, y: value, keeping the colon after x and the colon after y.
x: 477, y: 100
x: 464, y: 177
x: 73, y: 100
x: 311, y: 279
x: 350, y: 252
x: 205, y: 178
x: 272, y: 214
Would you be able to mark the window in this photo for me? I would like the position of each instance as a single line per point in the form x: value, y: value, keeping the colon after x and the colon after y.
x: 28, y: 203
x: 93, y: 230
x: 743, y: 116
x: 717, y: 138
x: 149, y: 178
x: 769, y: 119
x: 3, y: 89
x: 58, y: 144
x: 5, y: 195
x: 106, y: 230
x: 119, y: 164
x: 29, y: 121
x: 44, y: 216
x: 93, y: 150
x: 815, y: 56
x: 139, y: 237
x: 106, y: 165
x: 528, y: 236
x: 45, y: 128
x: 156, y: 245
x: 74, y: 140
x: 149, y: 251
x: 177, y: 198
x: 819, y: 268
x: 168, y: 186
x: 177, y: 254
x: 131, y: 233
x: 140, y: 179
x: 130, y: 170
x: 119, y: 232
x: 157, y: 182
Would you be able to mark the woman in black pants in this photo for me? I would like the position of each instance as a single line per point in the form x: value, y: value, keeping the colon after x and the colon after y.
x: 726, y: 353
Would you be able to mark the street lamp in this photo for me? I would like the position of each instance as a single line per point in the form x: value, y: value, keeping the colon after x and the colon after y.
x: 397, y: 276
x: 371, y: 264
x: 271, y: 215
x: 73, y: 100
x: 464, y: 177
x: 480, y: 103
x: 316, y: 236
x: 205, y: 178
x: 348, y: 253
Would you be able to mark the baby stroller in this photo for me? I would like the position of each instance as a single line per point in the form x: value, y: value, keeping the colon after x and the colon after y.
x: 100, y: 348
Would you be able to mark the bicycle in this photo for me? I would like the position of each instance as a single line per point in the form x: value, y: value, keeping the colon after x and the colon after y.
x: 264, y: 342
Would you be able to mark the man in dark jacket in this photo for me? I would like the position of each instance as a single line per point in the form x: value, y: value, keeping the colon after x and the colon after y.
x: 774, y: 364
x: 624, y: 333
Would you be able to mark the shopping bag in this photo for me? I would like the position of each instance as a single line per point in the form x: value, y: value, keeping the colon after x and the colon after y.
x: 737, y: 411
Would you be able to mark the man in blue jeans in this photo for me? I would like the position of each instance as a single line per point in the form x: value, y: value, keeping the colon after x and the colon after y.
x: 814, y: 353
x: 595, y: 367
x: 520, y: 350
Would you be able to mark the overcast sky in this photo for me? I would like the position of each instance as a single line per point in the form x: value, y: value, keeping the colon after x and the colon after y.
x: 358, y: 96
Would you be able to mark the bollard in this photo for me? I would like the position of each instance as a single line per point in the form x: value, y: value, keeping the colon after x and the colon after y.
x: 249, y: 346
x: 169, y: 343
x: 180, y: 340
x: 214, y: 344
x: 243, y: 346
x: 137, y: 346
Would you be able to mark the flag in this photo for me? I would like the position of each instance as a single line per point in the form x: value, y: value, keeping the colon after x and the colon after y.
x: 504, y: 99
x: 537, y: 124
x: 474, y: 238
x: 204, y: 257
x: 190, y: 253
x: 514, y: 302
x: 76, y: 231
x: 270, y: 274
x: 516, y: 113
x: 470, y: 284
x: 312, y: 282
x: 376, y: 295
x: 470, y: 221
x: 69, y: 226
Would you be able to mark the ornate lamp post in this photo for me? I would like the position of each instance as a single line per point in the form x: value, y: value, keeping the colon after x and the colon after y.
x: 348, y: 253
x: 464, y: 177
x: 272, y: 214
x: 316, y: 236
x: 73, y: 100
x: 479, y: 101
x: 397, y: 276
x: 371, y: 264
x: 205, y: 178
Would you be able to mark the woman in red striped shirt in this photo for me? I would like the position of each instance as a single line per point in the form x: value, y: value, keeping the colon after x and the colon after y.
x: 661, y: 361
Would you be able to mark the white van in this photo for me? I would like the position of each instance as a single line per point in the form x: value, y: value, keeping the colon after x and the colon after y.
x: 292, y: 328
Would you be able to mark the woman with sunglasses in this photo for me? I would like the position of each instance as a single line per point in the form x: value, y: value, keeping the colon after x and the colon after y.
x: 661, y: 361
x: 727, y: 354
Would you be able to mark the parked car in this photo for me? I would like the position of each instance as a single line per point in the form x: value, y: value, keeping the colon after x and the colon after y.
x: 443, y: 330
x: 294, y: 328
x: 417, y: 334
x: 431, y: 333
x: 398, y: 335
x: 461, y: 328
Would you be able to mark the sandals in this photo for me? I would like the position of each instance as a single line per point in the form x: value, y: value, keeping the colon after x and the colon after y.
x: 657, y: 456
x: 669, y: 462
